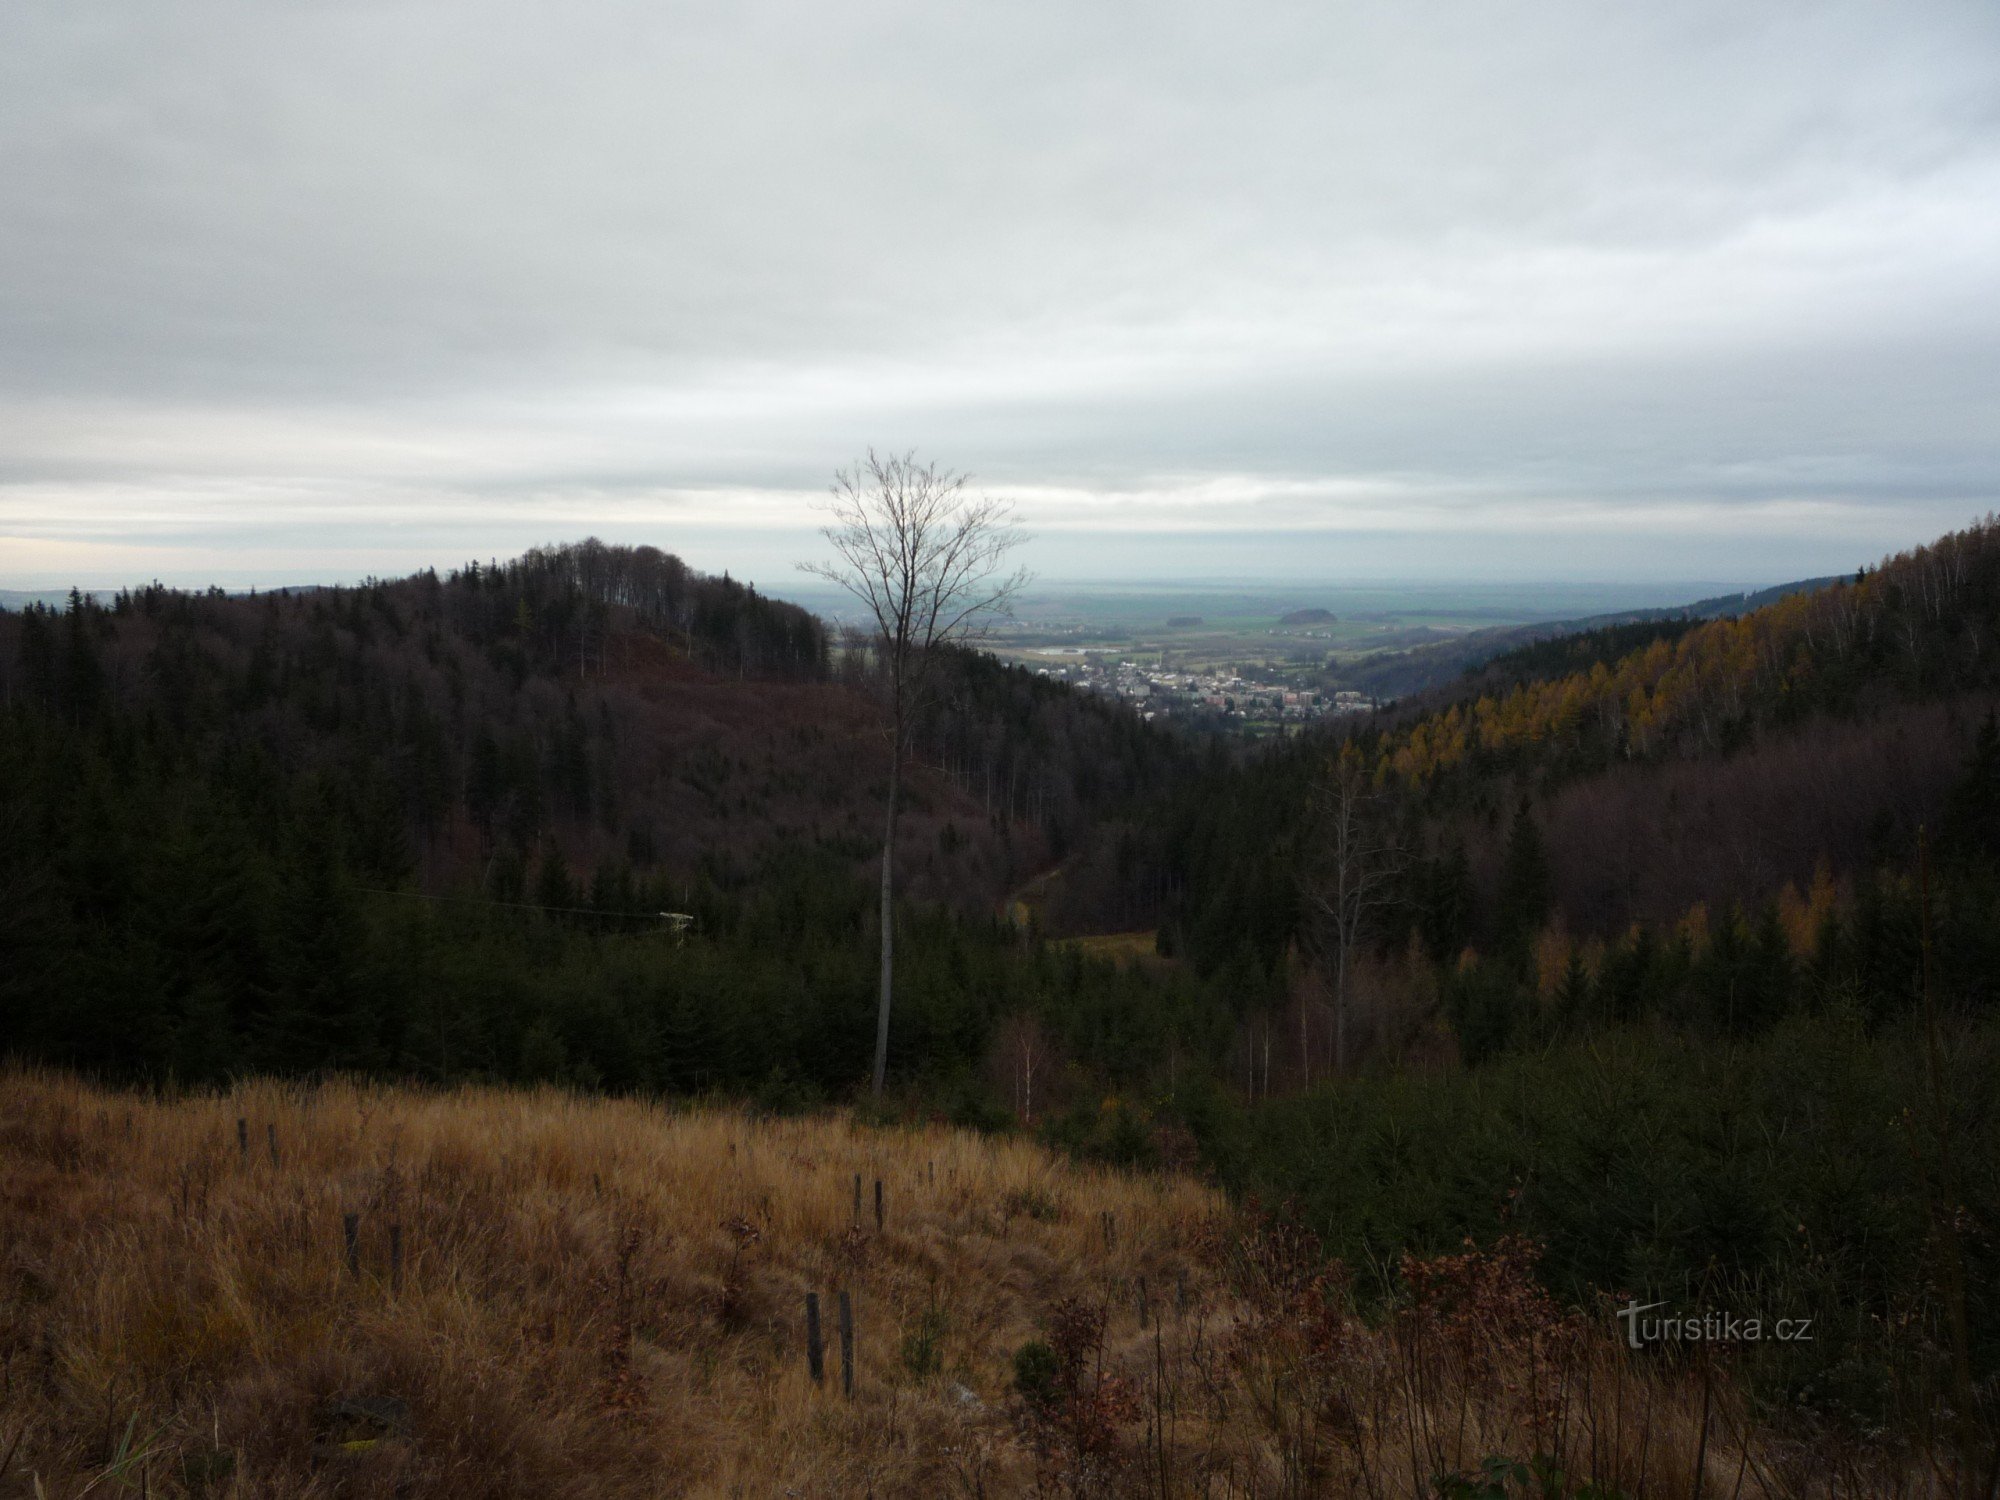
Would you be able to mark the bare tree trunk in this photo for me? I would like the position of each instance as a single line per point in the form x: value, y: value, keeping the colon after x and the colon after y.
x: 888, y: 917
x: 924, y: 559
x: 1361, y: 864
x: 1340, y: 1012
x: 1305, y: 1041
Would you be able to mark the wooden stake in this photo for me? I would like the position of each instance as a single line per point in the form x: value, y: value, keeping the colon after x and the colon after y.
x: 846, y: 1344
x: 815, y: 1348
x: 395, y: 1257
x: 878, y: 1205
x: 243, y: 1140
x: 350, y: 1225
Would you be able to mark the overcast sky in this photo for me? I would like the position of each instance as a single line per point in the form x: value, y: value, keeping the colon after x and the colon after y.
x: 1486, y: 290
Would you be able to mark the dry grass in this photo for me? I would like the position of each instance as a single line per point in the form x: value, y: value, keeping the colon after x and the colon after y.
x: 606, y: 1298
x: 1125, y: 948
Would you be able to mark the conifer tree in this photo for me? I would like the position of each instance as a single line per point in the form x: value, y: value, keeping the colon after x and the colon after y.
x: 553, y: 887
x: 1527, y: 886
x: 1972, y: 815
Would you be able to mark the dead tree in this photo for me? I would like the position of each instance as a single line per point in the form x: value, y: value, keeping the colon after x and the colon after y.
x: 928, y: 561
x: 1024, y: 1055
x: 1349, y: 883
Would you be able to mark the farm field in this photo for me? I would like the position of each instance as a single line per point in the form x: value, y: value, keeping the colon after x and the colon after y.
x: 1206, y: 628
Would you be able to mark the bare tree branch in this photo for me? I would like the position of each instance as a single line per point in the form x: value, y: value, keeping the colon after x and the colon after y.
x: 1355, y: 879
x: 926, y: 559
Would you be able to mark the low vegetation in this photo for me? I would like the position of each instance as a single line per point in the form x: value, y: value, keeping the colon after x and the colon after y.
x: 549, y: 1295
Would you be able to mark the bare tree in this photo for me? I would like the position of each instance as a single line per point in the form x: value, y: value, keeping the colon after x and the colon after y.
x: 928, y: 560
x: 1024, y: 1054
x: 1359, y: 861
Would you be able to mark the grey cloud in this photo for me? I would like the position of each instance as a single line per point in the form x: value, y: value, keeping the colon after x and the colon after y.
x: 1531, y: 266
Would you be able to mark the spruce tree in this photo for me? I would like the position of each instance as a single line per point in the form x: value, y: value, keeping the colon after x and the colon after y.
x: 1527, y: 886
x: 1971, y: 832
x: 553, y: 887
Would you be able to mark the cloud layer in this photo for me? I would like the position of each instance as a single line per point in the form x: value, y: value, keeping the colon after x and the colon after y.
x: 1697, y: 291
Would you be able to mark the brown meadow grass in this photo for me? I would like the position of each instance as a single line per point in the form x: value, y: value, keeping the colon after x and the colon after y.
x: 606, y: 1298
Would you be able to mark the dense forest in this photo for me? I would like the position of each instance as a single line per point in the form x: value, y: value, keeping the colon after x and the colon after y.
x: 1671, y: 942
x: 588, y: 815
x: 1504, y: 650
x: 1779, y: 758
x: 1679, y: 956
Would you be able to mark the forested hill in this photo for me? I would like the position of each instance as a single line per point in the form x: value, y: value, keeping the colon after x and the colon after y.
x: 1595, y: 945
x: 220, y: 801
x: 1656, y: 767
x: 1508, y: 650
x: 451, y: 728
x: 558, y: 607
x: 607, y: 705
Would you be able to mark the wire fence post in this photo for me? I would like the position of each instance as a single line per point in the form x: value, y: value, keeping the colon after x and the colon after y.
x: 846, y: 1344
x: 815, y: 1347
x: 350, y: 1227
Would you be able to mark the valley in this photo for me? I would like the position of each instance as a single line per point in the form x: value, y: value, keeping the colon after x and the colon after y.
x: 938, y: 752
x: 1673, y: 949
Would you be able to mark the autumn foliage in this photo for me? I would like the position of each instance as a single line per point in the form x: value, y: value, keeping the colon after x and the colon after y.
x: 1926, y: 614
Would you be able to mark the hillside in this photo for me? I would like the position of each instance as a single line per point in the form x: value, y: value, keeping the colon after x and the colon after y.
x: 1710, y: 765
x: 1508, y: 650
x: 1643, y: 957
x: 603, y: 707
x: 397, y: 825
x: 544, y: 1295
x: 1678, y: 956
x: 606, y: 707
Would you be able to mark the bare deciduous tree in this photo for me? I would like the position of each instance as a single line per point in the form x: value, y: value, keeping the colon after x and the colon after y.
x: 1025, y: 1057
x: 927, y: 558
x: 1359, y: 861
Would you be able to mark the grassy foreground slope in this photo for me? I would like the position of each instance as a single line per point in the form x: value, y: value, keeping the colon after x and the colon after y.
x: 606, y: 1298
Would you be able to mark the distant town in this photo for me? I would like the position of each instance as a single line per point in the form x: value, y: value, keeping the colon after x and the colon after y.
x: 1248, y: 699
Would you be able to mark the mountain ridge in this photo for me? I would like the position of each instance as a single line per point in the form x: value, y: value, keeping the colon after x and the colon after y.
x: 1398, y: 674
